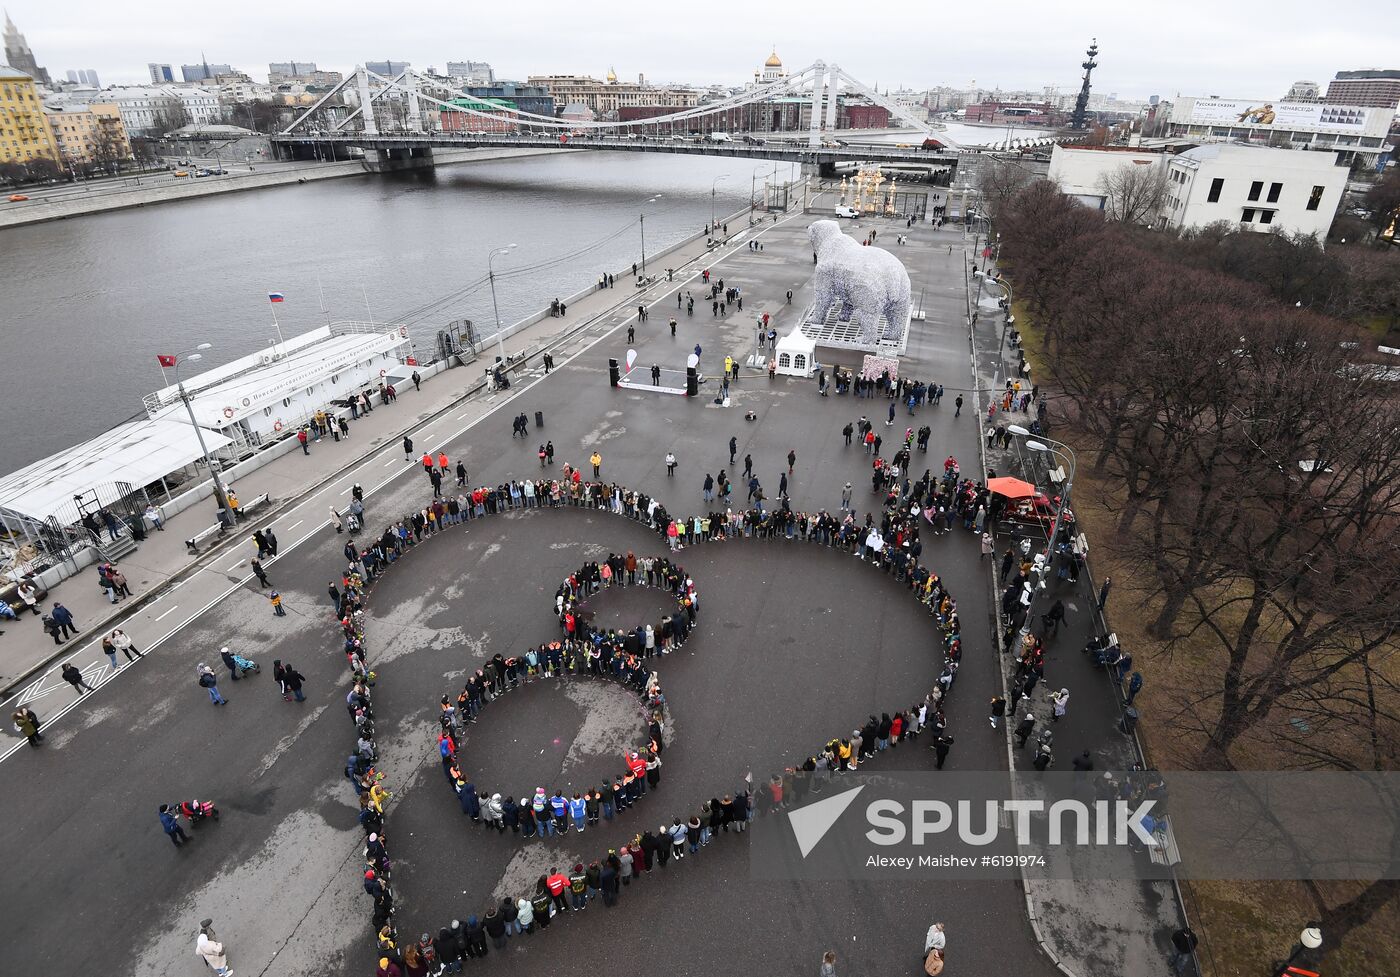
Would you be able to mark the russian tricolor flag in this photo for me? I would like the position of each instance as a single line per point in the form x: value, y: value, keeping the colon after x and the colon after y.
x: 276, y: 297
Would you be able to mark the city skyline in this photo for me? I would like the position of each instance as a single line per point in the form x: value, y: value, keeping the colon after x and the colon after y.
x: 1202, y: 50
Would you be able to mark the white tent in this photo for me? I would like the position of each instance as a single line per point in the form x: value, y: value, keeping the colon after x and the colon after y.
x: 797, y: 355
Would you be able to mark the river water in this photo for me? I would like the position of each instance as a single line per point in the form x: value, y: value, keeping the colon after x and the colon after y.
x: 86, y: 304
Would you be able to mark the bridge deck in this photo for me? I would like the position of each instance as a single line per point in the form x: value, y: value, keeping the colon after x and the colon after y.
x: 787, y: 152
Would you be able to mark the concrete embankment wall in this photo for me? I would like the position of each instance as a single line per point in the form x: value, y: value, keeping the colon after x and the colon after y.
x: 166, y: 189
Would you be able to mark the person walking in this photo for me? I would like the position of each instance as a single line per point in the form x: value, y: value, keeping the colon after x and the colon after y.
x: 211, y: 951
x: 1060, y: 702
x: 73, y: 677
x: 408, y: 447
x: 27, y: 725
x: 941, y: 746
x: 208, y: 680
x: 792, y: 460
x: 170, y: 824
x: 748, y: 466
x: 259, y: 572
x: 733, y: 450
x: 122, y: 643
x: 1103, y: 597
x: 64, y: 619
x: 226, y: 656
x: 997, y: 710
x: 958, y: 402
x: 988, y: 546
x: 596, y: 460
x: 828, y: 961
x: 276, y: 600
x: 291, y: 680
x: 417, y: 381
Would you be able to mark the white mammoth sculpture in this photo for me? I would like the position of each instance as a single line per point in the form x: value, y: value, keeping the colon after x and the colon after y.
x: 868, y: 282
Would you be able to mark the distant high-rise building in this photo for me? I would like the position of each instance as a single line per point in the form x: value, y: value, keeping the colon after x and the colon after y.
x: 472, y: 72
x: 281, y: 71
x: 204, y: 71
x: 18, y: 55
x: 1303, y: 91
x: 161, y: 74
x: 1372, y: 87
x: 83, y: 76
x: 387, y: 69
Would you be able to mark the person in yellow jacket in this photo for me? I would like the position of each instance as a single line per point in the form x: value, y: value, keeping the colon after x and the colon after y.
x: 596, y: 460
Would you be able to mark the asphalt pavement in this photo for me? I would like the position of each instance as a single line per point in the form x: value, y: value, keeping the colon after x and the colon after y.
x: 793, y: 647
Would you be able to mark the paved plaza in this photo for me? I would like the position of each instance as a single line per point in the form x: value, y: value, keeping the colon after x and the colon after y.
x: 794, y: 646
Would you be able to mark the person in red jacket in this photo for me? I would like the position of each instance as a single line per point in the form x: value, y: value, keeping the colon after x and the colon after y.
x: 442, y: 462
x: 556, y: 883
x: 427, y: 460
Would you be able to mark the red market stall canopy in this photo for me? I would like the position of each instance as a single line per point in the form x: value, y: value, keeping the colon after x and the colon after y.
x: 1012, y: 488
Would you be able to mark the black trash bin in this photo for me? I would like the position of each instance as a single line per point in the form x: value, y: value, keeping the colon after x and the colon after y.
x: 1129, y: 721
x: 539, y: 418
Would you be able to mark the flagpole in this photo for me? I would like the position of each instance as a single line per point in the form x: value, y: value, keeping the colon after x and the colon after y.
x: 277, y: 325
x: 322, y: 293
x: 368, y: 312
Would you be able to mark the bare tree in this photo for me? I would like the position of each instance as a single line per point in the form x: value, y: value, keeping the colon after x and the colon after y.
x: 1133, y: 193
x: 1000, y: 180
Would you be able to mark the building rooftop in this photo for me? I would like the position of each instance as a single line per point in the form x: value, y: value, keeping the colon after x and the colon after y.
x: 224, y: 395
x: 136, y: 452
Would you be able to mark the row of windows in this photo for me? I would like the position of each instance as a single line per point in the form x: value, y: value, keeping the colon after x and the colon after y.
x: 1265, y: 216
x: 1256, y: 188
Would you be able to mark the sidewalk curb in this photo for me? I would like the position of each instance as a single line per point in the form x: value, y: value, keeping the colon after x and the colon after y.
x: 1031, y: 915
x: 220, y: 548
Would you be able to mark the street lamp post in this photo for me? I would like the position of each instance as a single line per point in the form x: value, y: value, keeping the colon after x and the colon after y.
x: 1059, y: 450
x: 225, y: 513
x: 1009, y: 317
x: 491, y: 274
x: 1309, y: 939
x: 714, y: 183
x: 642, y: 219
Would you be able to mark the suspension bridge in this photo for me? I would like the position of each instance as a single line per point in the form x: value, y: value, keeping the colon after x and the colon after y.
x: 404, y: 117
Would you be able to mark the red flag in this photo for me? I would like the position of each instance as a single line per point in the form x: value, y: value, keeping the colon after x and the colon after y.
x: 165, y: 359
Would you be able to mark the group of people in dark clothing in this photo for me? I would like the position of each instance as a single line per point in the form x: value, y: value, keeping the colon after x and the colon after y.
x: 889, y: 540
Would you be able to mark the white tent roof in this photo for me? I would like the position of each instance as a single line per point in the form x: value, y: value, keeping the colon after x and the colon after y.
x: 797, y: 342
x: 137, y: 452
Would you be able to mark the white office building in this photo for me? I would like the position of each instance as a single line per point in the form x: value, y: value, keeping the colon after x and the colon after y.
x: 1356, y: 134
x: 1255, y: 187
x: 148, y: 110
x: 1079, y: 171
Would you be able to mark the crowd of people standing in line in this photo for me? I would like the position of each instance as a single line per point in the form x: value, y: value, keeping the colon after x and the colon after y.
x: 582, y: 652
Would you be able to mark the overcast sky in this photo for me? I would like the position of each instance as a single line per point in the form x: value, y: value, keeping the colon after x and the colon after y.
x: 1244, y: 48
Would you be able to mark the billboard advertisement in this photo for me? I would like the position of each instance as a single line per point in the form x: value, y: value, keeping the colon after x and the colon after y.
x: 1263, y: 113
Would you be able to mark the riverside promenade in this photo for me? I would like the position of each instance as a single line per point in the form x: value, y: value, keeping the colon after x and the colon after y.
x: 161, y: 188
x: 790, y: 645
x: 165, y: 578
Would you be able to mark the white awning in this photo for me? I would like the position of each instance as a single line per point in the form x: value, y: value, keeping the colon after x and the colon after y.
x: 137, y: 452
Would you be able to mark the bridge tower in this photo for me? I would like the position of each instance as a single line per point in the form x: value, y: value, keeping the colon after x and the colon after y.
x: 818, y: 87
x: 834, y: 73
x: 1080, y: 118
x: 366, y: 103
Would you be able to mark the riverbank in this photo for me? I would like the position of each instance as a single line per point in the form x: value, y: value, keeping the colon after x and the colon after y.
x: 169, y: 189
